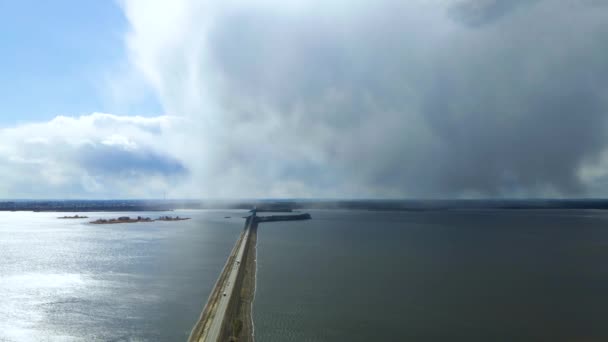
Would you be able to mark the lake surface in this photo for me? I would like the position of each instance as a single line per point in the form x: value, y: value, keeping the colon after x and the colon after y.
x: 492, y: 275
x: 63, y: 280
x: 528, y: 275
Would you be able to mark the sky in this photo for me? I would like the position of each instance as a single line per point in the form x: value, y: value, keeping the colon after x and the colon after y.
x: 304, y: 99
x: 56, y: 56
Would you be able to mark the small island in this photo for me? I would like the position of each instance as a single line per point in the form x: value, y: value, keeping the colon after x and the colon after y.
x: 169, y: 218
x: 72, y: 217
x: 127, y: 219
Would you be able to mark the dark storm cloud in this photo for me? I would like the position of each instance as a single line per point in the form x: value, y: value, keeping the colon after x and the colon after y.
x: 522, y: 107
x: 512, y: 110
x: 538, y: 141
x: 482, y: 12
x: 397, y: 98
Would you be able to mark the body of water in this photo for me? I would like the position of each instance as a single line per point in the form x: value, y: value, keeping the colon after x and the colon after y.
x: 493, y: 275
x: 65, y: 280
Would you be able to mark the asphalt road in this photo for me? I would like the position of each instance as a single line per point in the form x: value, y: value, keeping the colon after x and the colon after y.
x: 227, y: 290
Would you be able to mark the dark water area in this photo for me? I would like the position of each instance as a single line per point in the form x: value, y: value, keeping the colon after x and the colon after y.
x: 65, y: 280
x: 486, y: 275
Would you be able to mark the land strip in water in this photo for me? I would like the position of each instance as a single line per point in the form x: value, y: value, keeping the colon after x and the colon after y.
x: 219, y: 320
x: 72, y: 217
x: 228, y: 313
x: 127, y: 219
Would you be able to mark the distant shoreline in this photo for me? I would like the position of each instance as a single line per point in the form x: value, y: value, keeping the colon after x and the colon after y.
x: 279, y: 205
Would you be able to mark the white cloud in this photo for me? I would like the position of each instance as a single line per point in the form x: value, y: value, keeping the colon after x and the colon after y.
x: 97, y: 155
x: 120, y: 141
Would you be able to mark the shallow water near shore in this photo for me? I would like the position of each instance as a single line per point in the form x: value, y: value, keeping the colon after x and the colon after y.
x: 492, y: 275
x: 65, y: 280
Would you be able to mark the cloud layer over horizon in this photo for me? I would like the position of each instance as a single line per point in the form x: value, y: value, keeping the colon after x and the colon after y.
x: 92, y: 156
x: 442, y: 99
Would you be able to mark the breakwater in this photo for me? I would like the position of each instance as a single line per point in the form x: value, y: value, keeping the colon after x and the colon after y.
x: 226, y: 317
x: 276, y: 218
x: 227, y: 314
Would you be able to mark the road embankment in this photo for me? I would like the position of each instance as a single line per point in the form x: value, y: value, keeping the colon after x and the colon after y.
x: 227, y: 315
x: 244, y: 307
